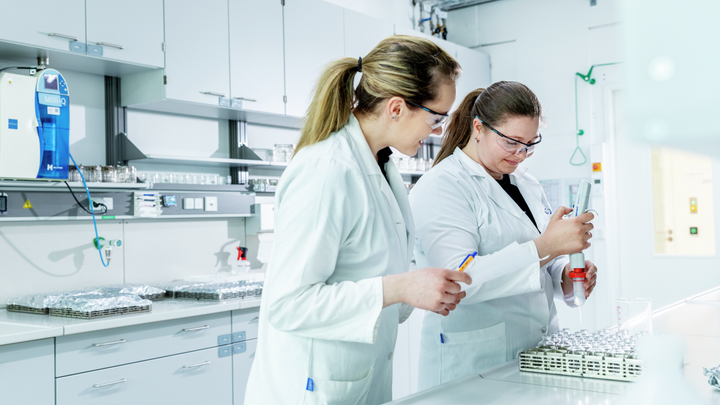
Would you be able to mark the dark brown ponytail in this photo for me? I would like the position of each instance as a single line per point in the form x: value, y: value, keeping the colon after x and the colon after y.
x: 494, y: 106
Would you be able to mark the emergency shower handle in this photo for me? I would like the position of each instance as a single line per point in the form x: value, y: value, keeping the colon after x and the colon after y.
x: 110, y: 45
x: 55, y: 34
x: 117, y: 342
x: 210, y: 93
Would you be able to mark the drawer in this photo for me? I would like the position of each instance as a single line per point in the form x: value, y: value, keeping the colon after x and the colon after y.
x: 200, y: 377
x: 244, y: 354
x: 245, y: 324
x: 107, y: 348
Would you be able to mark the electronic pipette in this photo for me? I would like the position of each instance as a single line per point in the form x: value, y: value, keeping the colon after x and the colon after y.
x: 577, y: 260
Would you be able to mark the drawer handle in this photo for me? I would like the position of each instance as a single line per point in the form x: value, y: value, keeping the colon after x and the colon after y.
x: 253, y: 100
x: 55, y: 34
x: 210, y: 93
x: 117, y: 342
x: 194, y: 329
x: 257, y: 318
x: 204, y: 363
x: 120, y: 381
x: 110, y: 45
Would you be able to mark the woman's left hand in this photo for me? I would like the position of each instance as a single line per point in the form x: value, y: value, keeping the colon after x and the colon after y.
x: 590, y: 278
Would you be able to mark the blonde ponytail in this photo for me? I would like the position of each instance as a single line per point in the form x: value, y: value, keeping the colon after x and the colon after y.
x: 399, y: 66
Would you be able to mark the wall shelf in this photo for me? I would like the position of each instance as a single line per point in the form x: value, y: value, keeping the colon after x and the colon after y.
x: 213, y: 162
x: 40, y: 184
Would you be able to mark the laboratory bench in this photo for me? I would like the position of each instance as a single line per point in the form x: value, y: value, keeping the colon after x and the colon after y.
x: 158, y: 356
x: 696, y: 320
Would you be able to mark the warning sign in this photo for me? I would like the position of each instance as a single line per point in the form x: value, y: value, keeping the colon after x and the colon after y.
x: 27, y: 205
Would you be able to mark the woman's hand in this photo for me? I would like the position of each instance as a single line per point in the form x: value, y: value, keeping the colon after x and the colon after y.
x: 432, y: 289
x: 590, y: 278
x: 565, y: 236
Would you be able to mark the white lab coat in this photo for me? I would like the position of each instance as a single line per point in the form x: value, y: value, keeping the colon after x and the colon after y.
x: 339, y: 228
x: 459, y: 208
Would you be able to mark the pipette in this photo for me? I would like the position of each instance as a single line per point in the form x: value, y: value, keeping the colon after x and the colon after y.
x: 577, y: 260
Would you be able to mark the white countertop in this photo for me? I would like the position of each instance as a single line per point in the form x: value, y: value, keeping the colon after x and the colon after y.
x: 18, y: 327
x: 697, y: 321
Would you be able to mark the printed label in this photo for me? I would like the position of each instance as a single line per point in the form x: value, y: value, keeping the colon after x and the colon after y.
x: 53, y: 111
x: 12, y: 124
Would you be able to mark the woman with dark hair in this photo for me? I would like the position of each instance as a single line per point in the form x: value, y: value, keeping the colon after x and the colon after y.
x: 477, y: 197
x: 338, y: 283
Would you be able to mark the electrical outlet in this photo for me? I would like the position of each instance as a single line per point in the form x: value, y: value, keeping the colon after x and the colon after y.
x: 108, y: 201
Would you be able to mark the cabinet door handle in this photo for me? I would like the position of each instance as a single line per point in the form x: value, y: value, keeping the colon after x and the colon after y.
x: 109, y: 343
x: 194, y: 329
x: 253, y: 100
x: 210, y: 93
x: 110, y: 45
x: 55, y: 34
x: 204, y: 363
x: 120, y: 381
x: 257, y: 318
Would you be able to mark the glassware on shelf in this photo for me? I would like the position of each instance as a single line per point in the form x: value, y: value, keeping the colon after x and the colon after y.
x: 121, y: 174
x: 93, y: 174
x: 132, y: 174
x: 282, y: 153
x: 73, y: 174
x: 108, y: 174
x: 213, y: 179
x: 228, y: 180
x: 142, y: 177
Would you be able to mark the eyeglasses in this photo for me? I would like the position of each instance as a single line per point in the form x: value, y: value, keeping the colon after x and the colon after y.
x: 435, y: 119
x: 512, y: 145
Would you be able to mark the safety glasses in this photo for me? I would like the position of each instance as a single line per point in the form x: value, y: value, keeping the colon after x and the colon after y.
x: 511, y: 145
x: 435, y: 119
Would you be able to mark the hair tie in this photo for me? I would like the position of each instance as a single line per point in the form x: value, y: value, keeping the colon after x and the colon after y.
x: 360, y: 64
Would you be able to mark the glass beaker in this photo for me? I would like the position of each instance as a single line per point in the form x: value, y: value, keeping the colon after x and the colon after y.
x: 634, y: 314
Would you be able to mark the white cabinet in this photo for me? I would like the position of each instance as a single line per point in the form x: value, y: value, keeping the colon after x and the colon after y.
x: 128, y: 32
x: 362, y: 33
x: 448, y: 47
x: 27, y: 373
x: 313, y: 37
x: 243, y: 357
x: 197, y: 64
x: 256, y: 55
x: 200, y: 377
x: 43, y: 23
x: 476, y: 72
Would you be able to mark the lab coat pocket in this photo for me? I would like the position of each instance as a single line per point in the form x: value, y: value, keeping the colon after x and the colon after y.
x: 470, y: 352
x: 329, y: 392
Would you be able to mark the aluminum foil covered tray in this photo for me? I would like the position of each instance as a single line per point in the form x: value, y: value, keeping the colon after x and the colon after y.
x: 713, y: 376
x: 40, y: 303
x: 214, y: 291
x: 93, y: 306
x: 141, y: 290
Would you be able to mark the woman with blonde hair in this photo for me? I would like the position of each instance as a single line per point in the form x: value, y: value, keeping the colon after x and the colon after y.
x: 337, y: 284
x: 478, y: 197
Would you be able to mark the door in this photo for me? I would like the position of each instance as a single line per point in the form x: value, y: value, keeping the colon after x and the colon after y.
x: 132, y: 32
x: 256, y: 55
x: 45, y: 23
x: 197, y: 63
x: 313, y: 38
x: 27, y: 372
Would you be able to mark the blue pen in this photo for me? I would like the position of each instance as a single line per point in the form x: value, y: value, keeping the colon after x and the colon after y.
x: 467, y: 261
